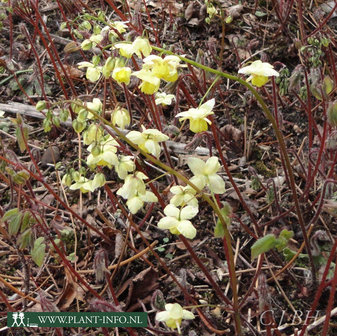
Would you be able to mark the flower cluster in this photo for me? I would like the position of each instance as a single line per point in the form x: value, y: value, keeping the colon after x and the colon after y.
x: 154, y: 69
x: 134, y: 190
x: 178, y: 220
x: 148, y: 140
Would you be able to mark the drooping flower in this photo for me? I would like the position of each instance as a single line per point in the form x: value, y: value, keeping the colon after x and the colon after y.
x: 103, y: 153
x: 163, y: 68
x: 96, y: 105
x: 205, y: 174
x: 121, y: 75
x: 120, y: 117
x: 148, y: 140
x: 183, y: 196
x: 136, y: 202
x: 259, y: 72
x: 93, y: 71
x: 134, y: 190
x: 94, y: 133
x: 164, y: 99
x: 124, y: 166
x: 139, y: 46
x: 86, y: 185
x: 142, y: 46
x: 150, y: 83
x: 177, y: 220
x: 173, y: 315
x: 133, y: 185
x: 198, y: 116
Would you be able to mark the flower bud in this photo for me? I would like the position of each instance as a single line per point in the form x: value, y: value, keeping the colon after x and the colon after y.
x: 108, y: 67
x: 120, y: 117
x: 66, y: 180
x: 41, y: 105
x: 96, y: 150
x: 78, y: 126
x: 86, y: 45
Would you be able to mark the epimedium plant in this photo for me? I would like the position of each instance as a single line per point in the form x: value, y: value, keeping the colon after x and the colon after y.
x: 103, y: 148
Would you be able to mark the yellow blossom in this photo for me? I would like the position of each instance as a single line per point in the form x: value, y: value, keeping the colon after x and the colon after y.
x: 198, y: 116
x: 150, y: 83
x: 163, y: 68
x: 173, y: 315
x: 259, y: 72
x: 140, y: 46
x: 148, y: 140
x: 121, y: 75
x: 120, y: 117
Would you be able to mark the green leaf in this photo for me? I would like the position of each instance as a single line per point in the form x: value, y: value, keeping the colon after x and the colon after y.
x: 226, y: 211
x: 283, y: 239
x: 14, y: 224
x: 38, y: 251
x: 263, y: 245
x: 10, y: 214
x: 315, y: 91
x: 327, y: 85
x: 25, y: 239
x: 219, y: 231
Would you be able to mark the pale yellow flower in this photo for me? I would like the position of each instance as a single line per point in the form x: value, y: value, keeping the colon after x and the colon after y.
x: 93, y: 71
x: 205, y: 174
x: 259, y: 72
x: 177, y: 220
x: 120, y: 117
x: 163, y: 68
x: 106, y: 155
x: 140, y: 46
x: 148, y: 140
x: 164, y: 99
x: 183, y: 196
x: 198, y: 116
x: 150, y: 83
x: 124, y: 166
x: 173, y: 315
x: 121, y: 74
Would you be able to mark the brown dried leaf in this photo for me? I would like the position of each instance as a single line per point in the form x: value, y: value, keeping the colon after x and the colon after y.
x: 235, y: 11
x: 189, y: 11
x: 232, y: 133
x: 142, y: 287
x: 70, y: 291
x: 119, y: 244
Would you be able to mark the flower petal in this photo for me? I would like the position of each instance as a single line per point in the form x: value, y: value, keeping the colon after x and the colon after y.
x: 163, y: 316
x: 196, y: 165
x: 212, y: 166
x: 216, y: 184
x: 187, y: 315
x: 187, y: 229
x: 172, y: 211
x: 188, y: 212
x: 166, y: 223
